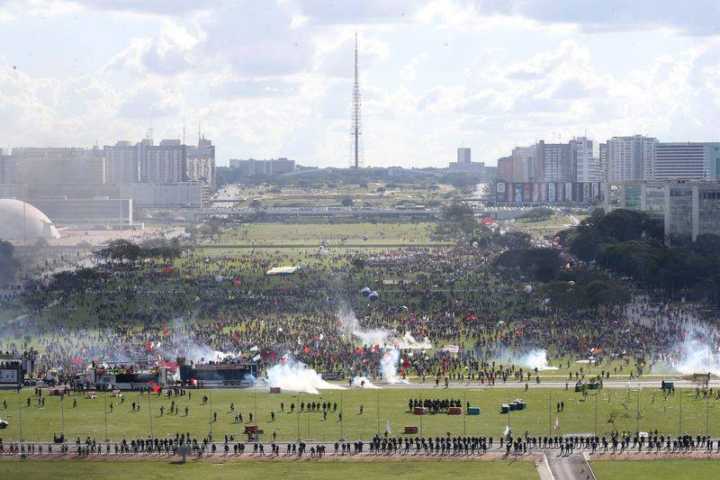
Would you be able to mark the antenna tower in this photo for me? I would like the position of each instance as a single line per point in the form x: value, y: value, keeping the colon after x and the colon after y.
x: 355, y: 131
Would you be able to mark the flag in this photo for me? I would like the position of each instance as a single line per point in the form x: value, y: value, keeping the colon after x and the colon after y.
x: 388, y: 430
x: 154, y: 387
x: 557, y: 423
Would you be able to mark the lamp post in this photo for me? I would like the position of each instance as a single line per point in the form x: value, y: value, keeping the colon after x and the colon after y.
x: 150, y: 413
x: 106, y: 425
x: 62, y: 414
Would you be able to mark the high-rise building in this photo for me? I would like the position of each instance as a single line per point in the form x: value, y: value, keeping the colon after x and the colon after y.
x: 123, y: 163
x: 163, y: 163
x: 585, y: 160
x: 260, y: 168
x: 523, y: 163
x: 201, y: 162
x: 686, y: 161
x: 7, y: 170
x: 604, y: 161
x: 54, y: 166
x: 505, y: 169
x: 553, y: 162
x: 464, y: 156
x: 169, y: 162
x: 630, y: 158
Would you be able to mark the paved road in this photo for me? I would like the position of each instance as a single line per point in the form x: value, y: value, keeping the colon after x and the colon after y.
x: 613, y: 384
x: 573, y: 467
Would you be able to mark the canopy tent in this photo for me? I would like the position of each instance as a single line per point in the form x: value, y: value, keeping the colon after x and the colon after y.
x: 282, y: 270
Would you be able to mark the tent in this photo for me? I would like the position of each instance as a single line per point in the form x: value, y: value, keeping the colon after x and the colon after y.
x: 282, y: 270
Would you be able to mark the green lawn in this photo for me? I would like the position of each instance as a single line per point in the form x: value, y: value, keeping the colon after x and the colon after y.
x: 347, y: 470
x: 656, y: 469
x: 331, y: 233
x: 616, y: 409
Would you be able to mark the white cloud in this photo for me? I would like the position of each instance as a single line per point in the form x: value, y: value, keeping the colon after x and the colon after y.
x: 273, y: 78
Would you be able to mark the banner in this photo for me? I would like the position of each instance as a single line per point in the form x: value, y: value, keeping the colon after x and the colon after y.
x: 8, y: 376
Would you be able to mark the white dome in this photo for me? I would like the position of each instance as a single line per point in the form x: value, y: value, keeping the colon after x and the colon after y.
x: 22, y: 221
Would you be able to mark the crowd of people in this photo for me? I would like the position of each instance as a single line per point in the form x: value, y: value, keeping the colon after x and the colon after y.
x: 200, y: 307
x: 449, y: 445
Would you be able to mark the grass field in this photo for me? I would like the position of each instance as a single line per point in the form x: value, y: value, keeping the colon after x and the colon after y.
x: 348, y: 470
x: 656, y: 469
x: 330, y: 233
x: 616, y: 409
x: 548, y: 226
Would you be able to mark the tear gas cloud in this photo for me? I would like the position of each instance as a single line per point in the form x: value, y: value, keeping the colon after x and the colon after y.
x: 293, y: 376
x: 363, y: 382
x: 698, y: 353
x: 389, y: 367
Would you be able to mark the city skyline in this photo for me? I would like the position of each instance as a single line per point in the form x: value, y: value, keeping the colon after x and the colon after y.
x: 436, y: 75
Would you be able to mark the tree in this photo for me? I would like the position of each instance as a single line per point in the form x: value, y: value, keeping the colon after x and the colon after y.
x: 457, y: 212
x: 119, y: 250
x: 347, y: 202
x: 541, y: 264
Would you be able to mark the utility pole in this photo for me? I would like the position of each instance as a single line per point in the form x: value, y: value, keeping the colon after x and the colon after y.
x: 464, y: 407
x: 377, y: 405
x: 211, y: 413
x: 62, y: 414
x: 596, y: 413
x: 20, y: 417
x: 150, y: 412
x: 298, y: 417
x: 637, y: 413
x: 549, y: 415
x: 707, y: 416
x: 106, y: 431
x: 680, y: 414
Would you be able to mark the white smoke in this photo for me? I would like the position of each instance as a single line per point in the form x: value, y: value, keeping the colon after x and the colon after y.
x: 293, y: 376
x: 389, y: 367
x: 699, y: 352
x: 380, y: 337
x: 408, y: 342
x: 385, y: 339
x: 363, y: 382
x: 350, y: 326
x: 535, y: 359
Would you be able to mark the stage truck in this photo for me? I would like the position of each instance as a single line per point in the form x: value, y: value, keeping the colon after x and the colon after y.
x: 124, y: 376
x: 12, y: 372
x: 232, y: 374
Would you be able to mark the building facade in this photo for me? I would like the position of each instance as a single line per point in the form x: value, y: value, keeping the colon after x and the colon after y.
x: 8, y: 174
x: 104, y: 211
x: 168, y: 162
x: 261, y: 168
x: 585, y: 160
x: 464, y: 156
x: 123, y: 163
x: 630, y: 158
x: 55, y: 166
x: 694, y: 161
x: 553, y: 162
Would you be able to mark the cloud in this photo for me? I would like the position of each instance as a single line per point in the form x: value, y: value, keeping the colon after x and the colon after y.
x: 696, y: 17
x: 357, y: 11
x: 149, y: 102
x: 155, y: 7
x: 254, y: 88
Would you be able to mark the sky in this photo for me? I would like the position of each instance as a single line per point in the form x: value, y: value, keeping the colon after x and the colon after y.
x: 273, y: 78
